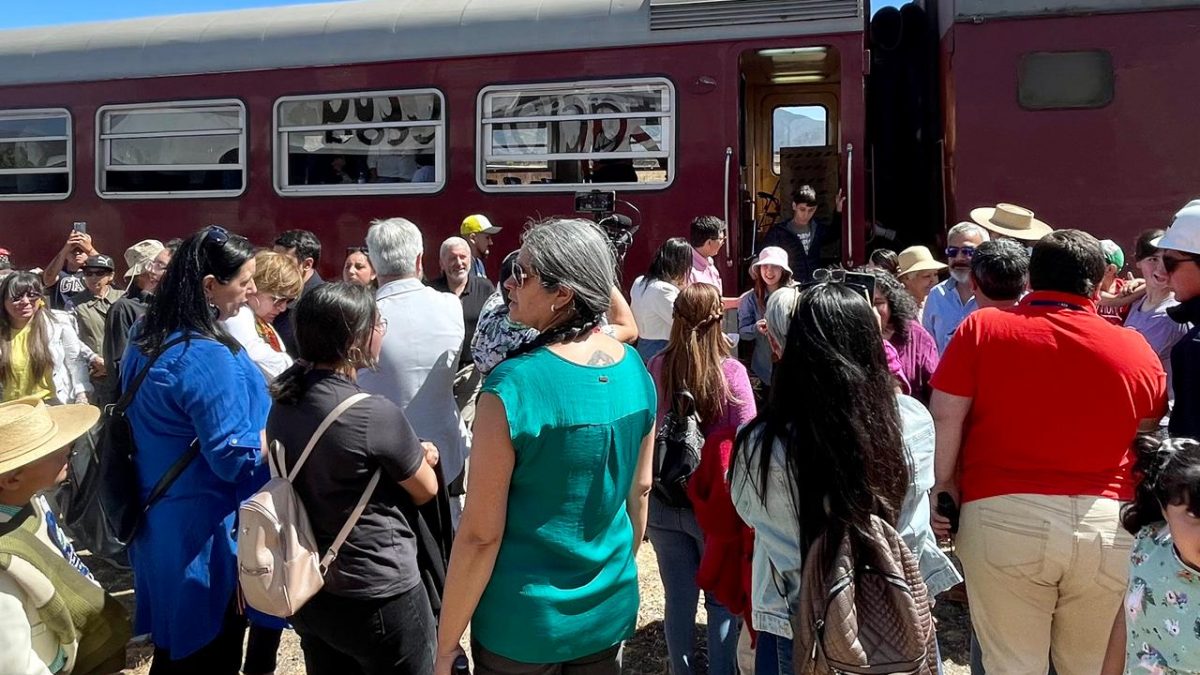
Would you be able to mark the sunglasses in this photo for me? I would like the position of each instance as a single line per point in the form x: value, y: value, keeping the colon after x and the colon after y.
x: 280, y: 301
x: 1170, y: 264
x: 97, y: 273
x: 954, y: 251
x: 856, y: 281
x: 32, y: 296
x: 216, y: 235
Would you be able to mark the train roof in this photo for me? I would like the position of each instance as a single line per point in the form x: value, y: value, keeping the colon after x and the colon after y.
x: 364, y: 31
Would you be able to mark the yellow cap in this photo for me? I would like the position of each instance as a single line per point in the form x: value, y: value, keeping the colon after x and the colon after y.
x: 475, y: 224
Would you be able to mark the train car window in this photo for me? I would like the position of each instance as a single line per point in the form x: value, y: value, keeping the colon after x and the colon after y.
x: 560, y: 136
x: 380, y: 142
x: 35, y: 154
x: 1057, y: 80
x: 798, y: 126
x: 172, y: 149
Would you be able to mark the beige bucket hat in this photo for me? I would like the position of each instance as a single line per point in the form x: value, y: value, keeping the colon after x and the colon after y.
x: 1011, y: 220
x: 918, y: 259
x: 30, y: 430
x: 139, y: 256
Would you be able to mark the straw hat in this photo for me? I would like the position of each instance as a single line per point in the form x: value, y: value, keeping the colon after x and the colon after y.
x: 770, y: 255
x: 917, y: 259
x: 30, y: 430
x: 1011, y: 220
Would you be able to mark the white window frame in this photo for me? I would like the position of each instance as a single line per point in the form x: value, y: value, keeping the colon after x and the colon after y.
x: 669, y: 121
x: 280, y: 160
x: 35, y: 113
x: 103, y: 154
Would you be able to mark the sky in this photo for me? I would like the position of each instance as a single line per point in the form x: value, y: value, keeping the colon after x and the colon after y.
x: 48, y: 12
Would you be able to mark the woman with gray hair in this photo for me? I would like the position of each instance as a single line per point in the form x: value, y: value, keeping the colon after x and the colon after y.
x: 560, y: 475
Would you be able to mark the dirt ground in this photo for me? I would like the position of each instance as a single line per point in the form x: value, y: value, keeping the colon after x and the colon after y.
x: 645, y: 653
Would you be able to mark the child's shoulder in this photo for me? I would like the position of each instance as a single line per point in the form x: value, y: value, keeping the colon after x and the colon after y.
x: 1154, y: 534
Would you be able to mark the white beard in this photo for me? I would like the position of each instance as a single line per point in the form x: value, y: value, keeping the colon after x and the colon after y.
x: 961, y: 276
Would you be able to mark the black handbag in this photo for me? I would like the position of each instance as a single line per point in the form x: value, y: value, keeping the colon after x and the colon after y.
x: 115, y: 476
x: 677, y: 451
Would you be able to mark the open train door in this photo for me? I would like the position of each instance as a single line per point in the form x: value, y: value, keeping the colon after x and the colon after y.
x: 791, y: 115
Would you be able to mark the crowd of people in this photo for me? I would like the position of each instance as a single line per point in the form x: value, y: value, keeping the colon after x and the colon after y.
x: 491, y: 456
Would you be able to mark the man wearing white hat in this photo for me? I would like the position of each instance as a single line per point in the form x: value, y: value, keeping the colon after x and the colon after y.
x: 952, y: 300
x: 1180, y: 256
x: 147, y: 260
x: 44, y: 585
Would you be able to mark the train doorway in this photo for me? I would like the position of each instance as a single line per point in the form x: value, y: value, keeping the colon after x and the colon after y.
x: 790, y: 122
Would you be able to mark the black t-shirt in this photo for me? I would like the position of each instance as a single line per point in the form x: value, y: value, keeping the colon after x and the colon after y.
x: 69, y: 285
x: 477, y: 291
x: 379, y: 558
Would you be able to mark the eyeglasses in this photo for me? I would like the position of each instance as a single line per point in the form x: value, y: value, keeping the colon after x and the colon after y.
x: 520, y: 274
x: 954, y: 251
x: 856, y: 281
x: 381, y: 325
x: 280, y: 301
x: 1170, y: 264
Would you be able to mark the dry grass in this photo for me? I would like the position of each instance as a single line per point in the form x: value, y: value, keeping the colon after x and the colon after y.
x: 645, y: 654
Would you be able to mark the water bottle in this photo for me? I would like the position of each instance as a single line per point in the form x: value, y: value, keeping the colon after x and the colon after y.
x: 461, y: 665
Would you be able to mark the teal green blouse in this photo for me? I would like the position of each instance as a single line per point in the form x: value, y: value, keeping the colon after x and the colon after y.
x: 565, y: 581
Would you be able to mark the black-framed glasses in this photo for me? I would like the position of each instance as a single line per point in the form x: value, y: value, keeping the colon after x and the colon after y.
x: 1170, y: 264
x: 954, y: 251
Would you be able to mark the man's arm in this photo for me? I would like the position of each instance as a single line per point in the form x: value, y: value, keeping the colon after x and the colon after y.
x: 949, y: 414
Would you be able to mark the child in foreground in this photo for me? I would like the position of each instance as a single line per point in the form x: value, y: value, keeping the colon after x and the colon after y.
x: 1157, y: 628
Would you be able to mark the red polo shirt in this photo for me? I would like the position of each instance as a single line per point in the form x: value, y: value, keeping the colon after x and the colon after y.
x: 1058, y: 393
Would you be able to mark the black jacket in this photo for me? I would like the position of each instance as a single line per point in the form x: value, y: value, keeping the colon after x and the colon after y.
x: 1185, y: 372
x: 121, y: 316
x: 803, y: 262
x: 283, y: 322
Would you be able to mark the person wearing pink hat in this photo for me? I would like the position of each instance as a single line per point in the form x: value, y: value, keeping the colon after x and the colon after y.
x: 770, y: 272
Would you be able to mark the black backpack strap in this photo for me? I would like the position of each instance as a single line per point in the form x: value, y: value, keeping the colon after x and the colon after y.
x: 127, y: 396
x: 160, y: 488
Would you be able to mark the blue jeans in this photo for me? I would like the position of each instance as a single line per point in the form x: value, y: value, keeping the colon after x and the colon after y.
x: 648, y: 348
x: 772, y: 655
x: 678, y: 544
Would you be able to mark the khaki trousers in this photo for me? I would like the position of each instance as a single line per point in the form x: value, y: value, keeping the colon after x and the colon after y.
x: 1045, y: 575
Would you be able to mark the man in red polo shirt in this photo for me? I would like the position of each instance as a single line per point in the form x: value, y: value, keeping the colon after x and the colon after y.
x: 1036, y: 408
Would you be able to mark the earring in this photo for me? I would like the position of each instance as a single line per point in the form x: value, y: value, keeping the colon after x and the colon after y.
x: 355, y: 357
x: 554, y: 308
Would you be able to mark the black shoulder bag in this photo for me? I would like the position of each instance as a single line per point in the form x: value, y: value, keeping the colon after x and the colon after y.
x: 117, y: 488
x: 677, y: 451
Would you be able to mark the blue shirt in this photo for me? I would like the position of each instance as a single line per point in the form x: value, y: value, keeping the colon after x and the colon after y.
x: 184, y: 560
x: 944, y: 310
x: 478, y: 269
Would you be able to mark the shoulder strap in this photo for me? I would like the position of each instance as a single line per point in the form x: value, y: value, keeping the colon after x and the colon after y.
x: 344, y: 533
x: 312, y: 442
x: 160, y: 488
x: 127, y: 396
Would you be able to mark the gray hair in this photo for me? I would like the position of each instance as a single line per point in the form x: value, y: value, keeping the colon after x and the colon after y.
x: 394, y: 245
x: 451, y: 243
x: 780, y: 306
x: 968, y: 228
x: 575, y: 254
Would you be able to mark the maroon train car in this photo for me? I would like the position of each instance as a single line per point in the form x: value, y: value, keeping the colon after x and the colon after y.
x: 328, y: 116
x: 1081, y: 110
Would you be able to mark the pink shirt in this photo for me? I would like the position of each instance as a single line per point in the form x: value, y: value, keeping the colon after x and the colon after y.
x: 704, y: 271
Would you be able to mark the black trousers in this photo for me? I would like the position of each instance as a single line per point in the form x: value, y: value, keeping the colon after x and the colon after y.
x: 347, y: 636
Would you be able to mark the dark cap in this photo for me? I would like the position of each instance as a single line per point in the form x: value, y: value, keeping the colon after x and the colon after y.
x: 101, y: 262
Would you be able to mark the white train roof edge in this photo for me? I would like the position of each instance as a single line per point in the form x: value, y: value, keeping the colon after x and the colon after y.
x: 366, y: 31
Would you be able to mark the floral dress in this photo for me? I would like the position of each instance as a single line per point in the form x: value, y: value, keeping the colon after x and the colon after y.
x: 1162, y: 626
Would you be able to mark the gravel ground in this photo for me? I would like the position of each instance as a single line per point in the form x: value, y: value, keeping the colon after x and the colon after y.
x: 645, y: 653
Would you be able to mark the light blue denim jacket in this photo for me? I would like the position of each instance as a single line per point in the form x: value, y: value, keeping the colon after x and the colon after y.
x: 778, y: 561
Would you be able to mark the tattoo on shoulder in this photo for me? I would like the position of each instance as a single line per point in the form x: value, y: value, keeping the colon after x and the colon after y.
x: 601, y: 358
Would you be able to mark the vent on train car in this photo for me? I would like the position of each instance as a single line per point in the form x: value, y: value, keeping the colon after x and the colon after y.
x: 679, y: 14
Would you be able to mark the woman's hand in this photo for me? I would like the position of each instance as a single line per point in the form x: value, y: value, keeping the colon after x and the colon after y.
x: 761, y: 325
x: 431, y: 453
x: 445, y: 661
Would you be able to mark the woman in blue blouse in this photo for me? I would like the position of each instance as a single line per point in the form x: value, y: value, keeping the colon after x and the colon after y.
x: 204, y: 389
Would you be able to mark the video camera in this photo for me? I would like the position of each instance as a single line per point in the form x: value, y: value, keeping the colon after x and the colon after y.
x: 619, y: 228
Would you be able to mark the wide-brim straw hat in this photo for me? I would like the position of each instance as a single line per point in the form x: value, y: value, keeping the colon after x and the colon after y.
x: 918, y: 259
x: 31, y: 430
x: 1011, y: 220
x: 771, y: 255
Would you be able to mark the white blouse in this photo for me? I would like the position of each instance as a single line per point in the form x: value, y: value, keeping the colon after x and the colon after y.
x: 270, y: 362
x: 653, y: 305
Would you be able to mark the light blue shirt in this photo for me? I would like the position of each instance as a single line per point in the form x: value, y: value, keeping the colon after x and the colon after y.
x: 418, y: 362
x: 944, y: 310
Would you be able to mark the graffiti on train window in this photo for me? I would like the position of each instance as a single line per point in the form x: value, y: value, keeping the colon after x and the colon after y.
x: 556, y: 137
x: 35, y: 154
x: 1057, y: 80
x: 388, y: 142
x: 175, y: 149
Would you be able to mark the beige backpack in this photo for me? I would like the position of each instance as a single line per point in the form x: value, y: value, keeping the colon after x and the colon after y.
x: 279, y: 566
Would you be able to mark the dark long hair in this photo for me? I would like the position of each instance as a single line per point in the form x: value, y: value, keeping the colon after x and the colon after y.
x: 671, y: 261
x: 179, y: 304
x: 832, y: 407
x: 902, y: 309
x: 332, y: 322
x: 41, y: 361
x: 1168, y: 473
